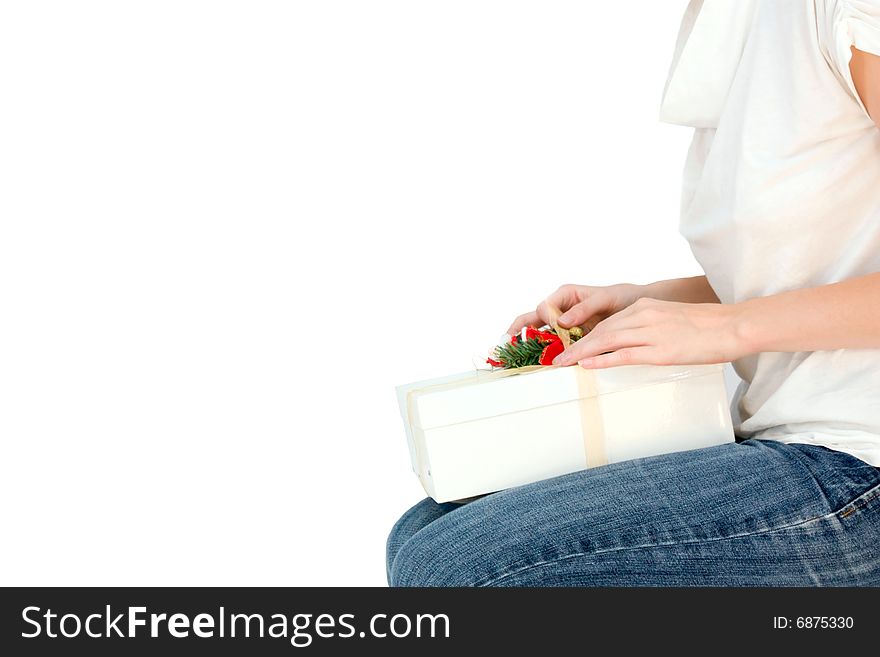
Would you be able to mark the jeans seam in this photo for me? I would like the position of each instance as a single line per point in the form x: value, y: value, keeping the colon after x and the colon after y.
x: 843, y: 512
x: 861, y: 502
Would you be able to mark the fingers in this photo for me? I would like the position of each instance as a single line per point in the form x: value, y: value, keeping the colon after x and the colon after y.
x: 563, y: 298
x: 627, y: 356
x: 566, y: 296
x: 582, y: 312
x: 579, y: 311
x: 637, y: 315
x: 594, y: 344
x: 527, y: 319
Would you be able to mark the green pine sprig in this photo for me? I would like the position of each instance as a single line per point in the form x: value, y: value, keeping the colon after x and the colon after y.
x: 520, y: 354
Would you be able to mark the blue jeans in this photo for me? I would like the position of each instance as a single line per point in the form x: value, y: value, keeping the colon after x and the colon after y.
x: 754, y: 513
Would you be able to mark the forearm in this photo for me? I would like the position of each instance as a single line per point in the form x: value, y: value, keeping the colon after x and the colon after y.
x: 843, y: 315
x: 865, y: 69
x: 683, y: 290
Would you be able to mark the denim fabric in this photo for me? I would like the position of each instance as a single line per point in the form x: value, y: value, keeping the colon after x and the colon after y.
x: 754, y: 513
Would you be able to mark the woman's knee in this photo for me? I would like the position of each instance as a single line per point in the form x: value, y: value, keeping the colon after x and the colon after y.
x: 468, y: 546
x: 411, y: 523
x: 432, y: 557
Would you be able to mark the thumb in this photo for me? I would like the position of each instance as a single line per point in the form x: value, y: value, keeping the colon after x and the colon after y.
x: 580, y: 313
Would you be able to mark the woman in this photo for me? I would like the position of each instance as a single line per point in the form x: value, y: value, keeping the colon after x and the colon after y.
x: 781, y: 206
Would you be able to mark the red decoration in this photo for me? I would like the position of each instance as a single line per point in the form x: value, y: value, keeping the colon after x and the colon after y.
x: 551, y: 351
x: 531, y: 346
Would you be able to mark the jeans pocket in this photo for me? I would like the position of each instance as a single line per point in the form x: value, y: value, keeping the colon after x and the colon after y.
x: 864, y: 502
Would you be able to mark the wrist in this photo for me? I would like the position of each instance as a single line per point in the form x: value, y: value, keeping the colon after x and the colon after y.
x: 629, y: 293
x: 642, y: 291
x: 744, y: 328
x: 662, y: 290
x: 695, y: 289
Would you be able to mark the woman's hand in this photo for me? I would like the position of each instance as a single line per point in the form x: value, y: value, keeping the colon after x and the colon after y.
x: 657, y: 332
x: 581, y: 305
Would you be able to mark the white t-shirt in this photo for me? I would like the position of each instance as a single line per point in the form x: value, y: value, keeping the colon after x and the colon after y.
x: 782, y: 191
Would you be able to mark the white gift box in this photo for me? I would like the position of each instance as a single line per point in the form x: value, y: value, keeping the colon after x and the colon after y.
x: 480, y: 432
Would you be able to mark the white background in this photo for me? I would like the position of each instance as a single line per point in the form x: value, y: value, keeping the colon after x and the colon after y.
x: 229, y: 229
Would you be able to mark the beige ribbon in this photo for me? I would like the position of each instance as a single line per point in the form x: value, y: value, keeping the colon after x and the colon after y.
x: 553, y: 315
x: 592, y: 425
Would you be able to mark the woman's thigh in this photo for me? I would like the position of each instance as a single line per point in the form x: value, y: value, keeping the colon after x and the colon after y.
x: 750, y: 513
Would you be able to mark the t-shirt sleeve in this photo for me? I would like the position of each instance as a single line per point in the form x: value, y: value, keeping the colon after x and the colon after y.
x: 847, y: 23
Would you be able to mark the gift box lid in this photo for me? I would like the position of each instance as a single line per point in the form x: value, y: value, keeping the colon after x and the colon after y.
x: 476, y: 395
